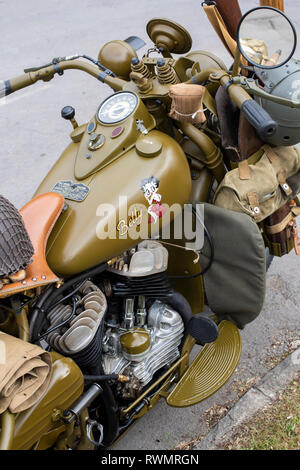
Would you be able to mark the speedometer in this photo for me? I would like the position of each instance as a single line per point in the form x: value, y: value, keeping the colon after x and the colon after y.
x: 117, y: 107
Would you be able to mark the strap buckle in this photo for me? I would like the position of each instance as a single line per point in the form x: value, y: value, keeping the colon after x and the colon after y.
x: 294, y: 233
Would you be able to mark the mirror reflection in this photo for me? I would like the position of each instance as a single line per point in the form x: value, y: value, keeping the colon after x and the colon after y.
x: 266, y: 37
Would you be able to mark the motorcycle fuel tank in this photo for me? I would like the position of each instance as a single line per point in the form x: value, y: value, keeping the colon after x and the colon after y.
x: 114, y: 175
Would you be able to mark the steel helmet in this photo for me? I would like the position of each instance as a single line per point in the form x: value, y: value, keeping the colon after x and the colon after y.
x: 284, y: 82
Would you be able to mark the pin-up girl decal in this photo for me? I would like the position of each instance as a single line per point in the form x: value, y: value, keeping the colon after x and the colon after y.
x: 150, y: 187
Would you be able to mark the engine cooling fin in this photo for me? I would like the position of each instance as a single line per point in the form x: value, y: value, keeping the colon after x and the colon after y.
x: 91, y: 354
x: 79, y: 336
x: 155, y: 286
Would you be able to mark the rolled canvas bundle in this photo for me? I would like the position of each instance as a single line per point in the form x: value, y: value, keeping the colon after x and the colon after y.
x: 25, y: 371
x: 187, y: 103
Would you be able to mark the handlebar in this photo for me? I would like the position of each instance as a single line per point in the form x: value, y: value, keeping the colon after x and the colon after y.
x: 4, y: 90
x: 259, y: 119
x: 255, y: 114
x: 47, y: 73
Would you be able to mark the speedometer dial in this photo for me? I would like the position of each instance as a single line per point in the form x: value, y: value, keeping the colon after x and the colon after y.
x: 117, y: 107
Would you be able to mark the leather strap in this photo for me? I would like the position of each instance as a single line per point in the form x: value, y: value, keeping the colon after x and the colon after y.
x: 294, y: 233
x: 295, y: 206
x: 281, y: 176
x: 272, y: 156
x: 272, y: 229
x: 252, y: 160
x: 244, y: 170
x: 254, y: 203
x: 219, y: 26
x: 295, y: 211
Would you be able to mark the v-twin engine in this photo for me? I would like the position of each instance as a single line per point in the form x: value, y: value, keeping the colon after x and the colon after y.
x: 140, y: 351
x: 124, y: 324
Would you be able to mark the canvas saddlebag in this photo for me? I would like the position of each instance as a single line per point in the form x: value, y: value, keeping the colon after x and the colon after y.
x: 259, y: 190
x: 267, y: 191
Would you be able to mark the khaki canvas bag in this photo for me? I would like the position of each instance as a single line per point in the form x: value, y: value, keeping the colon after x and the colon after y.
x: 259, y: 190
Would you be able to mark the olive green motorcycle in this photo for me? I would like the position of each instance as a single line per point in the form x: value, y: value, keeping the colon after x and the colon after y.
x: 102, y: 292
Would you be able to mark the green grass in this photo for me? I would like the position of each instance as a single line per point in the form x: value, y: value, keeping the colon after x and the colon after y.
x: 276, y: 428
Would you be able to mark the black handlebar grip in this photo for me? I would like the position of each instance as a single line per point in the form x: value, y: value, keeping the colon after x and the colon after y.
x: 5, y: 88
x: 259, y: 118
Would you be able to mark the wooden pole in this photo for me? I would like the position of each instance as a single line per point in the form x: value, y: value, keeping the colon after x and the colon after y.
x: 231, y: 14
x: 279, y: 4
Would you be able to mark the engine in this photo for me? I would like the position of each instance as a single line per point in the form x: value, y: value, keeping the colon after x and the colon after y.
x: 123, y: 324
x: 147, y: 342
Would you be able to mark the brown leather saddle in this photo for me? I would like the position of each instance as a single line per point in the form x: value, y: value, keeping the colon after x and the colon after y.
x: 39, y: 216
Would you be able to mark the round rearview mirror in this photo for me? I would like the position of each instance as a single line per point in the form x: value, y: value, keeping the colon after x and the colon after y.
x: 266, y: 37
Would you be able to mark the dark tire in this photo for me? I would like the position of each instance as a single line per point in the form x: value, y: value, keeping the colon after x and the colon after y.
x: 269, y: 259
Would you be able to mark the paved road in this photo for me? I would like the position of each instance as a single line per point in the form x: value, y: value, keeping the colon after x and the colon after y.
x: 33, y: 135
